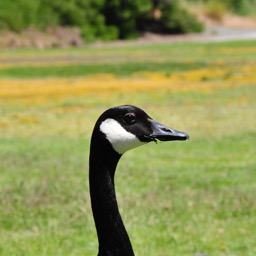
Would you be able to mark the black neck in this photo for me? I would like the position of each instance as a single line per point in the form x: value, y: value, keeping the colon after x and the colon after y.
x: 112, y: 236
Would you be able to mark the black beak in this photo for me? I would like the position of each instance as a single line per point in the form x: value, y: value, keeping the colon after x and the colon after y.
x: 164, y: 133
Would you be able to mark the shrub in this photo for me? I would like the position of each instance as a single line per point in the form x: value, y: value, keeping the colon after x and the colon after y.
x: 215, y: 9
x: 17, y: 15
x: 125, y: 15
x: 171, y: 18
x: 176, y: 19
x: 243, y: 7
x: 98, y: 19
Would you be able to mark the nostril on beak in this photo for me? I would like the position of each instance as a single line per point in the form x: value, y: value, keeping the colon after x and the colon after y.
x: 167, y: 130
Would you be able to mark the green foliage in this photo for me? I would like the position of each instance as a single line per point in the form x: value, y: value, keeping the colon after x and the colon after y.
x: 94, y: 25
x: 178, y: 20
x: 81, y: 13
x: 112, y: 19
x: 17, y: 15
x: 171, y: 18
x: 216, y: 9
x: 101, y: 19
x: 241, y: 7
x: 46, y: 16
x: 124, y: 15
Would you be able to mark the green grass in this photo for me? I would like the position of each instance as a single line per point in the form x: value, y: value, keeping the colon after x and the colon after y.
x: 176, y: 198
x: 124, y: 61
x: 123, y: 69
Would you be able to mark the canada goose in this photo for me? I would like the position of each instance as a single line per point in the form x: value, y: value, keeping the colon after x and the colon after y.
x: 117, y: 130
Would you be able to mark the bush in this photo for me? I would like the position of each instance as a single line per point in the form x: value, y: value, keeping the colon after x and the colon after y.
x: 171, y: 18
x: 215, y: 9
x: 98, y: 19
x: 125, y: 15
x: 176, y: 19
x: 17, y: 15
x: 242, y: 7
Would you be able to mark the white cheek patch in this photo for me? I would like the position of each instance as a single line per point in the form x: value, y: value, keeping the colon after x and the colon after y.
x: 120, y: 139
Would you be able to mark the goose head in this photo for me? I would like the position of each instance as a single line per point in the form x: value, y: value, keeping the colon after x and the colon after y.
x: 118, y: 130
x: 126, y: 127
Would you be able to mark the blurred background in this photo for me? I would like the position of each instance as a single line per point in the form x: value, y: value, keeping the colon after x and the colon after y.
x: 44, y: 23
x: 189, y: 64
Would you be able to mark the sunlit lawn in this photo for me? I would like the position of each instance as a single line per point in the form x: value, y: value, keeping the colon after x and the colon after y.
x: 176, y: 198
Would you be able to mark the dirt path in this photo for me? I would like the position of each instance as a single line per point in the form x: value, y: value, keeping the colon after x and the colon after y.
x: 211, y: 34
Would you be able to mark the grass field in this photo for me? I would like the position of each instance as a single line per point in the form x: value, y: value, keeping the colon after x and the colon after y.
x: 176, y: 198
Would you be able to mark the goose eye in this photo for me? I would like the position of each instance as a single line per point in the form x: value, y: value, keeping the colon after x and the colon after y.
x: 129, y: 118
